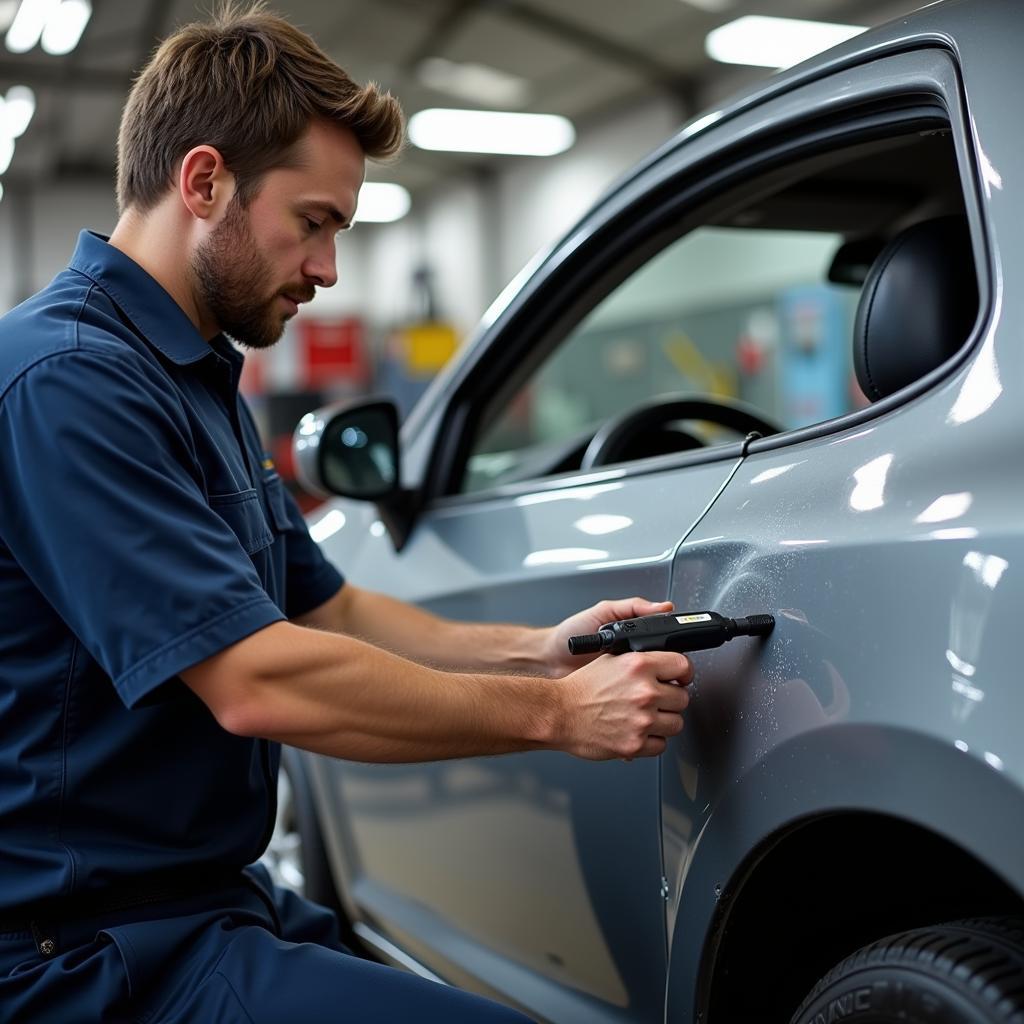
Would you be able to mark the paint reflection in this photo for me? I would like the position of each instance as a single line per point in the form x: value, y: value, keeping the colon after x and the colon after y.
x: 982, y: 385
x: 946, y: 507
x: 869, y: 492
x: 979, y: 576
x: 539, y: 857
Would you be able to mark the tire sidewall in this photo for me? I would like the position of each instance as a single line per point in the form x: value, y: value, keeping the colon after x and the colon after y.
x: 893, y: 993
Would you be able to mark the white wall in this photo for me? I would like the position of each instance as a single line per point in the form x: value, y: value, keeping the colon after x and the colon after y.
x: 459, y: 248
x: 539, y: 200
x: 718, y: 267
x: 59, y: 212
x: 53, y: 214
x: 8, y: 255
x: 393, y: 251
x: 448, y: 233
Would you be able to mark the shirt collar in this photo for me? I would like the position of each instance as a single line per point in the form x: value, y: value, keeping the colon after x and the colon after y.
x: 145, y: 302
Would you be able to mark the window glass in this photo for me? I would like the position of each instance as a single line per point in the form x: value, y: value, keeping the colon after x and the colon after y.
x: 727, y: 312
x: 738, y: 310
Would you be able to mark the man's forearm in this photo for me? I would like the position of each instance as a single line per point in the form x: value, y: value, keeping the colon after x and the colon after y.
x: 339, y: 696
x: 429, y: 639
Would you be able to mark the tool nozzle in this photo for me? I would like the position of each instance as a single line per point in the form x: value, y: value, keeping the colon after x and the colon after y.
x: 588, y: 643
x: 755, y: 625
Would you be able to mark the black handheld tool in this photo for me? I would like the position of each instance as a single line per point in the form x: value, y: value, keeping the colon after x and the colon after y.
x: 669, y: 631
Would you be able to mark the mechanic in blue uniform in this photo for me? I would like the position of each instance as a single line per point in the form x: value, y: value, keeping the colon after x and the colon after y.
x: 167, y: 619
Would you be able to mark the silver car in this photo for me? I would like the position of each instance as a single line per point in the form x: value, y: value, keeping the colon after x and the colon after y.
x: 777, y: 369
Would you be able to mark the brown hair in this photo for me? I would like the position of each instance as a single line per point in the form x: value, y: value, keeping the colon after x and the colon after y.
x: 247, y: 83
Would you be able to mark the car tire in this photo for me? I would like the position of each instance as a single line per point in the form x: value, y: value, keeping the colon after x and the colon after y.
x: 962, y: 972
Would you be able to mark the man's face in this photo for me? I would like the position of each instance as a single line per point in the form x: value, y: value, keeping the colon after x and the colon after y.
x: 261, y: 261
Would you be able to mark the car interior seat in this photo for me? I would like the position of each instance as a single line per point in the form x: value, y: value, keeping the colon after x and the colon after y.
x: 917, y: 307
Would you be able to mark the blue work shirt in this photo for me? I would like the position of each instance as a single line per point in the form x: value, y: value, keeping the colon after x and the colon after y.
x: 142, y: 529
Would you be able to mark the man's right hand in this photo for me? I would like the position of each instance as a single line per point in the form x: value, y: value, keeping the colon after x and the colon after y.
x: 625, y: 705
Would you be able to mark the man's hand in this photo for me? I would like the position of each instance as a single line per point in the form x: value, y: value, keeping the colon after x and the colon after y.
x: 625, y: 705
x: 557, y: 659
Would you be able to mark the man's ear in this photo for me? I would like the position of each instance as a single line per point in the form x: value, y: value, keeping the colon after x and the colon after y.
x: 204, y: 183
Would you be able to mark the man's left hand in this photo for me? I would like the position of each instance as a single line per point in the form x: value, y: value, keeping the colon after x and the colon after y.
x: 557, y: 658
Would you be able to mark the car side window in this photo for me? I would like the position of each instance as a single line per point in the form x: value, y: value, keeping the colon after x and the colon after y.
x: 740, y: 310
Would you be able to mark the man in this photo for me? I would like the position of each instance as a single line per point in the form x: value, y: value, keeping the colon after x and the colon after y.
x: 168, y: 620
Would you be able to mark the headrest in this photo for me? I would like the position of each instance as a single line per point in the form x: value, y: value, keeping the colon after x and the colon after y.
x: 919, y: 302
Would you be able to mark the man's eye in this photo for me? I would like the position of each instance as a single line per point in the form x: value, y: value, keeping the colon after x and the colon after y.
x: 312, y: 224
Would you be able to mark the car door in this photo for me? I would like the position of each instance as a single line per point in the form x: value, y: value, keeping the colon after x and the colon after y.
x: 515, y: 874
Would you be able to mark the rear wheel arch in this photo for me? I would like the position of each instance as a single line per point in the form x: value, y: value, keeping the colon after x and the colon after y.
x: 784, y: 926
x: 828, y: 827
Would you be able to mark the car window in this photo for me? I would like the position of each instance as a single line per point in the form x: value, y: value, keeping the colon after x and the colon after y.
x: 739, y: 310
x: 732, y: 313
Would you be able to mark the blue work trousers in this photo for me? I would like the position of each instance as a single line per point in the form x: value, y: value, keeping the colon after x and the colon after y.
x: 251, y: 954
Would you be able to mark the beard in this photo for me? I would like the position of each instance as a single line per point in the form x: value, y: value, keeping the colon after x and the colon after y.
x: 231, y: 276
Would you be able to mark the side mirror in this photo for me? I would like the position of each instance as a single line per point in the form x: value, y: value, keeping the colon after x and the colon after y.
x: 351, y: 449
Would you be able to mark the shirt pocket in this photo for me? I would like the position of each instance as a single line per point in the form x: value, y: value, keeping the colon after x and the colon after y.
x: 243, y: 514
x: 273, y: 487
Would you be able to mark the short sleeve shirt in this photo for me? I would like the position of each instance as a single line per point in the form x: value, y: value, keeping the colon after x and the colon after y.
x: 142, y: 530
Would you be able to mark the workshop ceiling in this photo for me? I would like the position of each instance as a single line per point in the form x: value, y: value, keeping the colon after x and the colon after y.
x: 586, y: 59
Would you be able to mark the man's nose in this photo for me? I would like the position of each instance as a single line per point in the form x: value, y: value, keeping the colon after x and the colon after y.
x: 322, y: 268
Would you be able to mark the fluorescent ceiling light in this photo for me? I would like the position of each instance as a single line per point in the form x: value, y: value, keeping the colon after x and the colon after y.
x: 714, y: 6
x: 29, y: 23
x: 490, y: 131
x: 16, y: 110
x: 381, y: 202
x: 6, y: 152
x: 8, y: 8
x: 65, y: 26
x: 477, y: 83
x: 774, y: 42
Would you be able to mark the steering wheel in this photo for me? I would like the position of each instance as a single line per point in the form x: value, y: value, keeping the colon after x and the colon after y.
x: 644, y: 429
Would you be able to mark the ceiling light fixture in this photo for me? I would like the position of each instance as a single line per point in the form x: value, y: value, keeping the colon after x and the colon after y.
x: 712, y: 6
x: 381, y: 202
x: 65, y: 26
x: 6, y: 152
x: 28, y: 24
x: 774, y: 42
x: 16, y: 110
x: 491, y: 131
x: 477, y: 83
x: 8, y: 9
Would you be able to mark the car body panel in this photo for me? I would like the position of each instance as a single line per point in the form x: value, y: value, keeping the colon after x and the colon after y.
x: 887, y: 544
x: 888, y: 557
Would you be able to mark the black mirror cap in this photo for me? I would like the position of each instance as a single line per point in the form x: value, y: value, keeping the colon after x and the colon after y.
x: 350, y: 449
